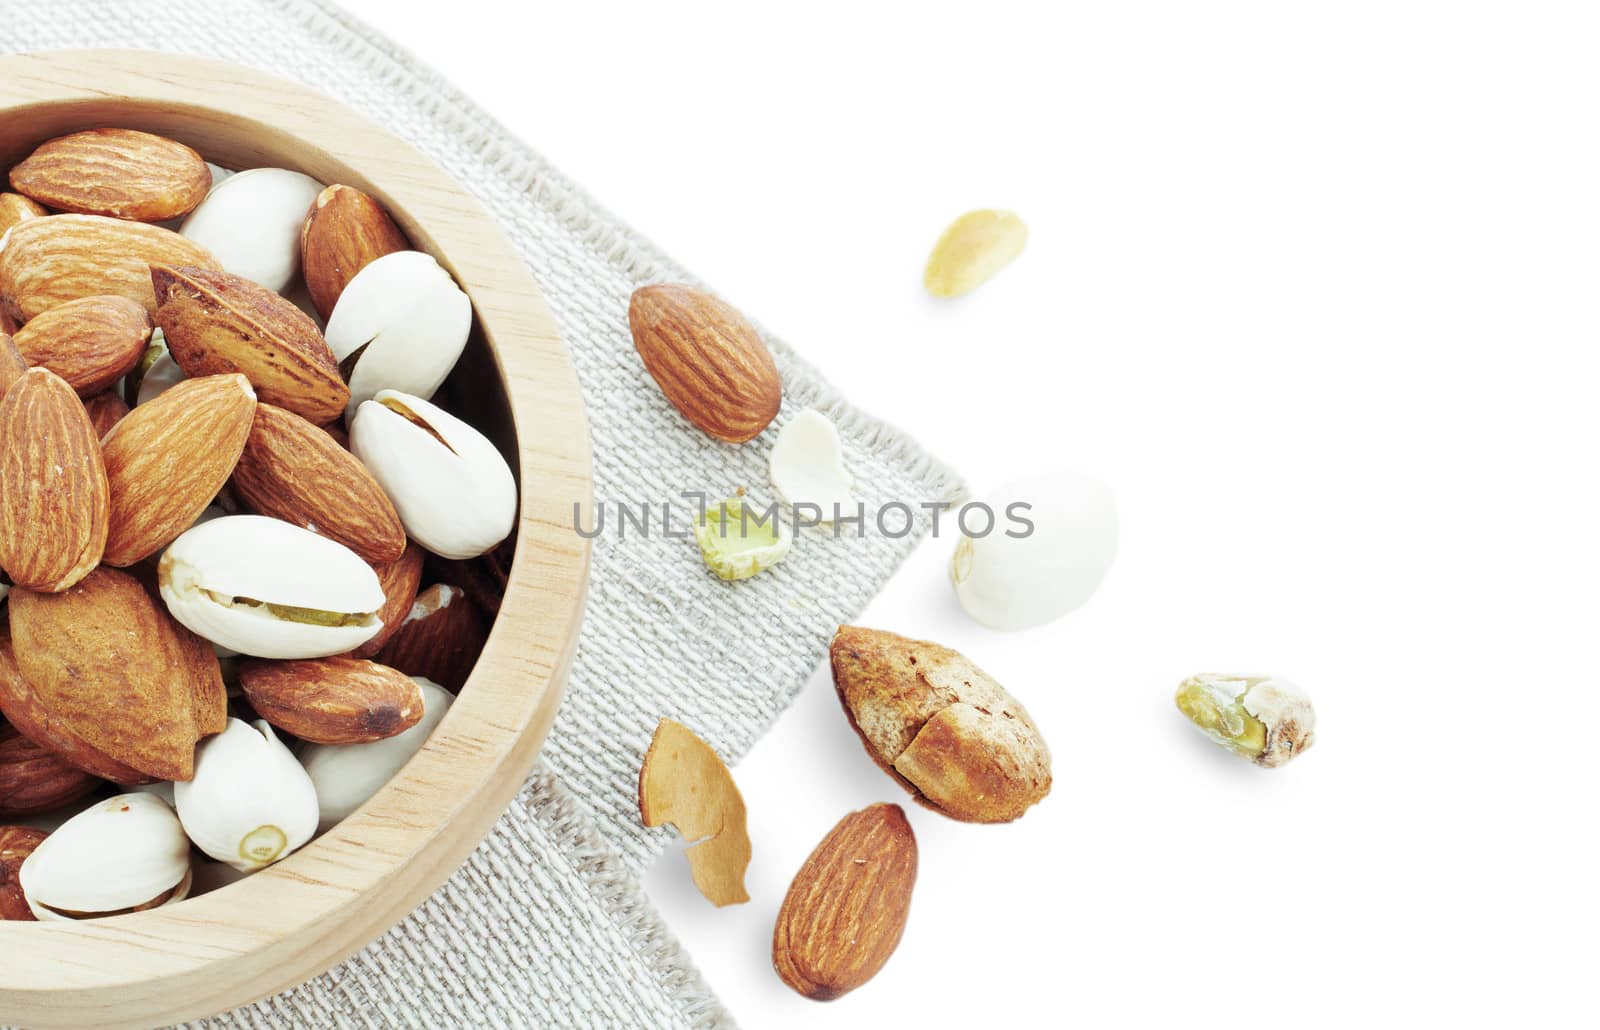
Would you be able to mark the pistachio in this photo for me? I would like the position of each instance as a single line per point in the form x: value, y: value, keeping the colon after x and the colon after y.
x: 156, y: 373
x: 125, y: 854
x: 454, y: 492
x: 346, y: 775
x: 265, y: 588
x: 1265, y: 719
x: 737, y: 545
x: 400, y: 324
x: 251, y: 223
x: 807, y: 465
x: 250, y: 802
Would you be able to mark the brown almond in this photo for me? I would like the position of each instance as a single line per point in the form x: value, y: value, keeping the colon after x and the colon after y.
x: 27, y: 714
x: 344, y: 232
x: 400, y: 580
x: 120, y: 173
x: 215, y: 323
x: 110, y: 666
x: 53, y: 487
x: 847, y: 907
x: 440, y: 638
x: 16, y: 844
x: 709, y: 361
x: 90, y: 342
x: 105, y: 409
x: 293, y: 471
x: 12, y: 364
x: 16, y: 208
x: 33, y: 779
x: 49, y: 261
x: 942, y: 727
x: 332, y: 700
x: 168, y: 458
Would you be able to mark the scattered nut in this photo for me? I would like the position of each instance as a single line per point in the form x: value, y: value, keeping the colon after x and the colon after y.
x: 807, y: 465
x: 684, y: 783
x: 737, y: 545
x: 1265, y: 719
x: 972, y: 250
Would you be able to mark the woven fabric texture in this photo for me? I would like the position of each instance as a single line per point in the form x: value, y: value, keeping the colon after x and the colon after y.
x: 546, y: 924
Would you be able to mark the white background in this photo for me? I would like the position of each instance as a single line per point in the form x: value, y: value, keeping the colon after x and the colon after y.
x: 1313, y: 287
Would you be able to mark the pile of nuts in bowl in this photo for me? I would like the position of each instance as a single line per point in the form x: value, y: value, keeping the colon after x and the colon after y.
x: 222, y: 487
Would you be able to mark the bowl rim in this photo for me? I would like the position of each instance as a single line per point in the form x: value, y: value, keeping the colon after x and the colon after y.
x: 299, y: 917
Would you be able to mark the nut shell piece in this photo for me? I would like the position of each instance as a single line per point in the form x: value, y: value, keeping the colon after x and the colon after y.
x: 942, y: 727
x: 683, y: 782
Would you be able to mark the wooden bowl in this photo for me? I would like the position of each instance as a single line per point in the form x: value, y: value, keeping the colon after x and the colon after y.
x: 301, y: 916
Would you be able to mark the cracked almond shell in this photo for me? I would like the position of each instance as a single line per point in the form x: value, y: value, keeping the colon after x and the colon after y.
x: 942, y: 727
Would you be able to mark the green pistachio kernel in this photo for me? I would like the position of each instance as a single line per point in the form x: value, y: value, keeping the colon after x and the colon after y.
x: 737, y: 544
x: 309, y: 616
x: 1215, y: 704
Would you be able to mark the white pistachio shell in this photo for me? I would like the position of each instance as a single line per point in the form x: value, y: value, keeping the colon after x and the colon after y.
x: 1049, y: 546
x: 250, y: 802
x: 206, y: 572
x: 346, y: 775
x: 807, y: 465
x: 115, y: 855
x: 161, y: 376
x: 251, y: 222
x: 457, y: 499
x: 412, y: 319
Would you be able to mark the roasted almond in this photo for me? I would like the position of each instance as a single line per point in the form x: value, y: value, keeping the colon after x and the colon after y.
x: 215, y: 322
x: 12, y: 364
x: 120, y: 173
x: 16, y: 208
x: 293, y: 471
x: 344, y: 232
x: 53, y: 487
x: 440, y: 638
x: 169, y: 457
x: 90, y: 342
x: 707, y: 359
x: 110, y: 666
x: 48, y: 261
x: 332, y: 700
x: 105, y: 409
x: 847, y: 907
x: 400, y: 580
x: 33, y: 779
x: 16, y: 844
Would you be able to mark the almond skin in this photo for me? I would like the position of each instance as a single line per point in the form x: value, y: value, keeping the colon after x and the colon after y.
x: 54, y: 493
x: 105, y: 410
x: 90, y: 342
x: 400, y: 580
x: 16, y: 844
x: 16, y: 208
x: 707, y: 359
x: 168, y: 458
x: 332, y: 700
x: 344, y: 232
x: 293, y: 471
x: 440, y: 639
x: 847, y: 907
x: 49, y: 261
x: 33, y: 779
x: 12, y: 364
x: 22, y: 706
x: 110, y: 666
x: 215, y: 323
x: 120, y: 173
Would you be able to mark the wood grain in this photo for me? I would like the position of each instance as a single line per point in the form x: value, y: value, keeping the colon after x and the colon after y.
x: 299, y: 917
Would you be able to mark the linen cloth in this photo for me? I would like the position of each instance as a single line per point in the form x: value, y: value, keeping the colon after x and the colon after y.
x: 546, y: 923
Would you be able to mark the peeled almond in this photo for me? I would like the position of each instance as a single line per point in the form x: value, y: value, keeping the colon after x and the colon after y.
x: 807, y: 465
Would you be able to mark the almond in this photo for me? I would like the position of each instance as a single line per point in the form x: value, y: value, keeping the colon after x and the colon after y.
x: 119, y: 173
x: 440, y: 638
x: 400, y: 580
x: 215, y: 322
x: 27, y: 714
x: 709, y: 361
x: 105, y: 411
x: 344, y: 231
x: 53, y: 487
x: 332, y: 700
x: 49, y: 261
x: 293, y: 471
x: 169, y: 457
x: 90, y: 342
x: 111, y: 667
x: 12, y: 364
x: 15, y: 208
x: 16, y: 844
x: 847, y: 907
x: 33, y: 779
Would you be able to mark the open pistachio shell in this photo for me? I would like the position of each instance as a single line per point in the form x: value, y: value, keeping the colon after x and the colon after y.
x: 120, y: 855
x: 250, y: 802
